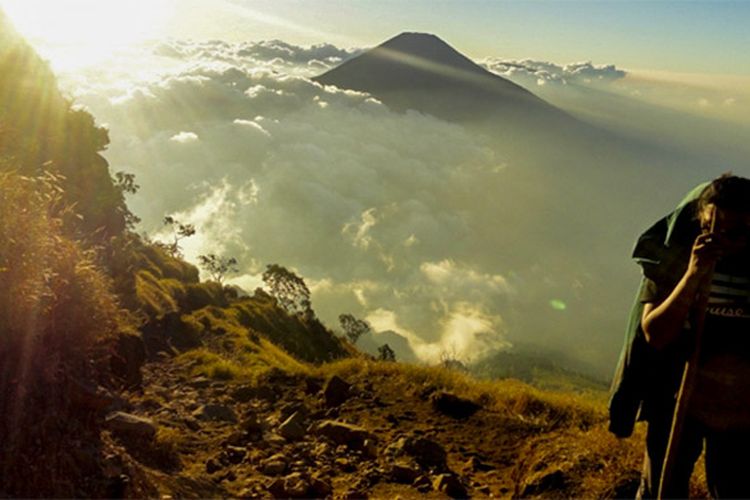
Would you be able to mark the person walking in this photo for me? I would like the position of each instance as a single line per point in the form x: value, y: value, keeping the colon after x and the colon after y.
x: 694, y: 302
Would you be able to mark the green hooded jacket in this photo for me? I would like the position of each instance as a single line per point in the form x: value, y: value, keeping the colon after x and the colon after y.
x: 646, y: 381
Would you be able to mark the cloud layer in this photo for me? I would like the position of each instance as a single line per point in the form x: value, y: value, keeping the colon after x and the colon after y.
x: 430, y: 230
x: 530, y: 73
x: 369, y: 205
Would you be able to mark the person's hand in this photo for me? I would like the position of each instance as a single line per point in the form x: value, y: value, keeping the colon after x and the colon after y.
x: 707, y: 249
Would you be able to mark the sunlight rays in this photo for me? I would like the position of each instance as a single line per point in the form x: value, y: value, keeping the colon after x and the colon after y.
x: 77, y: 33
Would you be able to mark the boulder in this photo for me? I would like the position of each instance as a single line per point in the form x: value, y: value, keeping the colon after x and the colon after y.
x: 213, y: 465
x: 274, y: 466
x: 320, y: 488
x: 454, y: 406
x: 293, y: 427
x: 234, y: 454
x: 295, y: 485
x: 215, y: 413
x: 403, y: 473
x: 425, y: 452
x: 342, y: 433
x: 336, y: 391
x: 422, y: 484
x: 251, y: 424
x: 450, y: 485
x: 87, y: 396
x: 130, y: 426
x: 128, y: 357
x: 199, y: 382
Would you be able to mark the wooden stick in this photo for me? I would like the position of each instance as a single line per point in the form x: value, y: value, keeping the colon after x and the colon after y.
x: 689, y: 376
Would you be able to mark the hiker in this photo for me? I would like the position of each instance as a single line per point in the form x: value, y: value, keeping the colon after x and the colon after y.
x: 683, y: 258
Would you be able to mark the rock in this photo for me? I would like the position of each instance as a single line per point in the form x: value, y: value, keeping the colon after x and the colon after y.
x: 485, y: 490
x: 450, y: 485
x: 213, y: 465
x: 296, y: 485
x: 229, y: 476
x: 552, y: 481
x: 235, y: 454
x: 276, y: 488
x: 370, y: 448
x: 90, y: 397
x: 474, y: 464
x: 336, y: 391
x: 320, y: 488
x: 355, y: 494
x: 312, y: 386
x: 243, y: 394
x: 246, y: 393
x: 403, y: 473
x: 128, y: 357
x: 293, y: 427
x: 274, y: 440
x: 345, y: 465
x: 453, y: 406
x: 342, y: 433
x: 426, y: 452
x: 422, y: 484
x: 127, y: 425
x: 251, y: 423
x: 215, y: 413
x: 199, y: 382
x: 192, y: 424
x: 274, y: 465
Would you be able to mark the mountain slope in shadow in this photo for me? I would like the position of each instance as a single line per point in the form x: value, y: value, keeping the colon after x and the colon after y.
x: 420, y: 71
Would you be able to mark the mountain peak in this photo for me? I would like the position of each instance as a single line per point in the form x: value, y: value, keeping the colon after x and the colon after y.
x: 420, y: 71
x: 427, y: 47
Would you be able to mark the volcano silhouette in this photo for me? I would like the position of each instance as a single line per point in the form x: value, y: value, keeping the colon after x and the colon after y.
x: 420, y: 71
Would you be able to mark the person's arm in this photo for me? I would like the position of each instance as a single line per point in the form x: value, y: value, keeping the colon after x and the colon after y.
x: 663, y: 322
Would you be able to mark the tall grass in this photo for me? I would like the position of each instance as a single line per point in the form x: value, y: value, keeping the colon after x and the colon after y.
x: 57, y: 319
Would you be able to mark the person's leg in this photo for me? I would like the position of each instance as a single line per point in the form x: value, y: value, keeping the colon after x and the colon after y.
x: 657, y: 438
x: 728, y: 464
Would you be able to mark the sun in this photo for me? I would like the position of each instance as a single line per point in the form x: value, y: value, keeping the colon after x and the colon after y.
x: 74, y: 33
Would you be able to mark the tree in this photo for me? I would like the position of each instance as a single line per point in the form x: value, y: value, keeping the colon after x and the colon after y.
x: 354, y: 328
x: 385, y: 353
x: 289, y: 290
x: 125, y: 183
x: 449, y: 359
x: 181, y: 231
x: 218, y: 267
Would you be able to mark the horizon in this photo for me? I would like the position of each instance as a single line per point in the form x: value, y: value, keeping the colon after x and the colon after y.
x: 701, y: 37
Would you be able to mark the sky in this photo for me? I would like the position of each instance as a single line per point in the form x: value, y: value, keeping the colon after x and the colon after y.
x: 676, y: 36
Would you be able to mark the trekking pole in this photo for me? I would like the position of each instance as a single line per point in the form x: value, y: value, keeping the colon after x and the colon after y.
x: 689, y: 376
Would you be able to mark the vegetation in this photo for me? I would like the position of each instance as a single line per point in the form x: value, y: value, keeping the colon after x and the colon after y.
x: 385, y: 353
x: 180, y: 232
x: 289, y: 289
x: 218, y: 267
x: 353, y: 327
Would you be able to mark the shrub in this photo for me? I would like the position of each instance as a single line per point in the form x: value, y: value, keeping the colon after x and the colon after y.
x: 58, y: 317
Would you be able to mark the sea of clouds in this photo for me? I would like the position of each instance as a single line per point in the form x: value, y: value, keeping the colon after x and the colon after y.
x: 399, y: 218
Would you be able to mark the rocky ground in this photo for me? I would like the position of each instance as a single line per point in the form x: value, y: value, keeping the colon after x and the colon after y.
x: 362, y: 434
